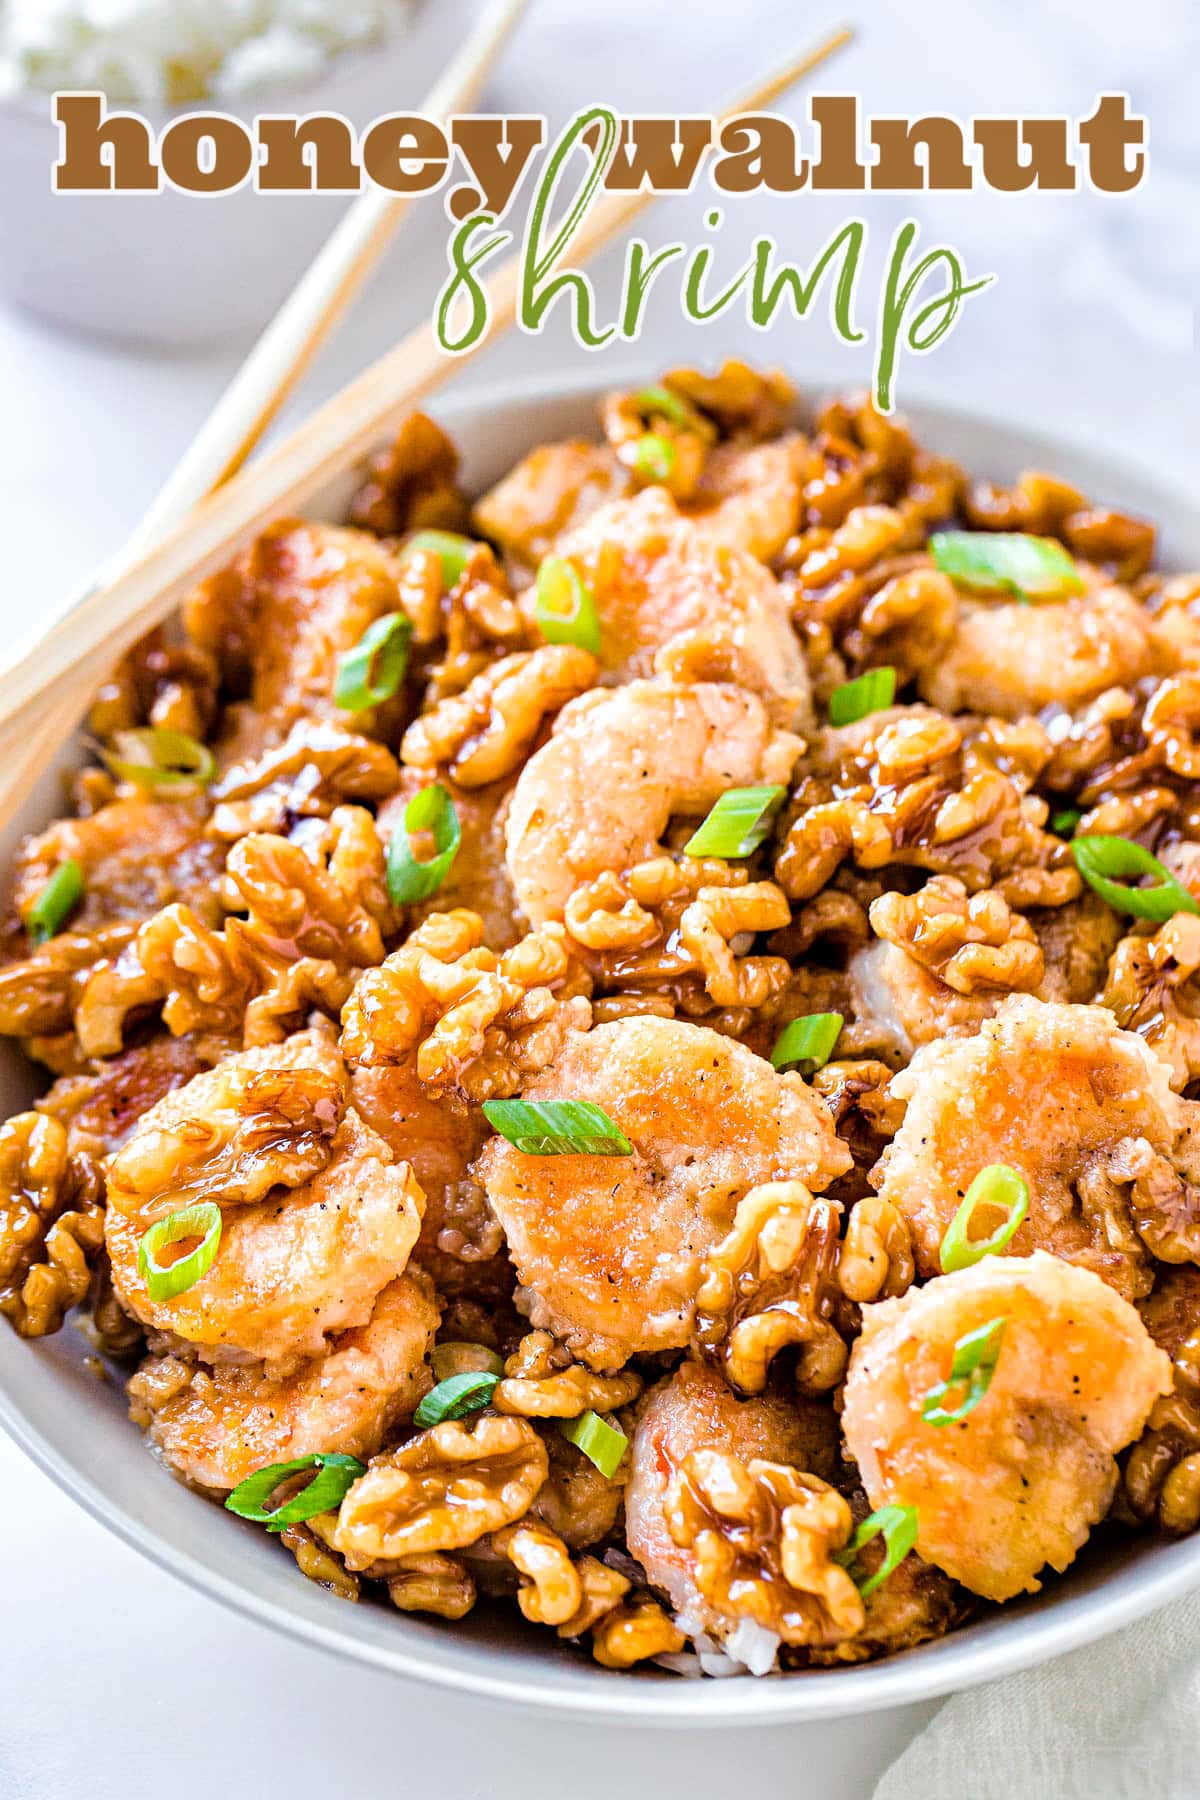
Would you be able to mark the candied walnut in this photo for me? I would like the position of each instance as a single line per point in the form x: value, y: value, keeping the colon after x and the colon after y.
x: 1162, y: 1472
x: 972, y: 942
x: 541, y: 1382
x: 315, y: 769
x: 446, y: 1489
x: 551, y: 1592
x: 1151, y: 989
x: 916, y: 1603
x: 432, y: 1583
x: 411, y: 485
x: 747, y: 404
x: 171, y: 686
x: 763, y: 1536
x: 876, y: 1261
x: 39, y: 995
x: 1036, y: 503
x: 477, y: 879
x: 769, y: 1284
x: 866, y: 1114
x: 628, y: 417
x: 328, y: 900
x: 486, y: 732
x: 908, y: 786
x: 234, y: 1133
x: 473, y: 1020
x: 1122, y: 546
x: 1135, y: 1190
x: 51, y: 1225
x: 318, y: 1563
x: 1170, y: 721
x: 682, y: 930
x: 634, y: 1631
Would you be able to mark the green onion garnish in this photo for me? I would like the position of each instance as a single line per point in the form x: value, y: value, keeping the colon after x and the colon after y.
x: 153, y: 757
x: 56, y: 902
x: 556, y: 1128
x: 372, y: 672
x: 660, y: 402
x: 602, y: 1443
x: 165, y: 1280
x: 739, y: 822
x: 1063, y: 823
x: 808, y: 1043
x: 899, y: 1527
x: 975, y: 1357
x: 457, y: 1396
x: 999, y: 1187
x: 1006, y: 562
x: 408, y: 880
x: 461, y: 1358
x: 328, y: 1488
x: 867, y: 693
x: 1098, y: 858
x: 565, y: 607
x: 653, y: 457
x: 454, y: 550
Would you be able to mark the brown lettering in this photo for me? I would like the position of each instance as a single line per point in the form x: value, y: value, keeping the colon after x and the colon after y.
x: 300, y: 155
x: 899, y: 167
x: 1048, y: 164
x: 497, y: 152
x: 759, y: 150
x: 660, y: 154
x: 837, y: 168
x: 229, y: 159
x: 406, y: 154
x: 101, y: 152
x: 1107, y: 135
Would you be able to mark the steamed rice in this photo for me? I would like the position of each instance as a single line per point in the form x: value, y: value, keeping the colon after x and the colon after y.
x: 170, y: 51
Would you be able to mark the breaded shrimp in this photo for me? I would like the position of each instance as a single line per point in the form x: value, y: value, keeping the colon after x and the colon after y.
x: 318, y: 1216
x: 1019, y: 1481
x: 550, y: 491
x: 674, y: 600
x: 618, y: 766
x: 1011, y: 658
x: 1083, y: 1110
x: 477, y: 879
x: 217, y: 1427
x: 695, y: 1410
x: 751, y: 496
x: 610, y: 1249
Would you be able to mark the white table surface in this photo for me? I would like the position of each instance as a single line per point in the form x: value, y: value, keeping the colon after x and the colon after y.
x: 119, y: 1682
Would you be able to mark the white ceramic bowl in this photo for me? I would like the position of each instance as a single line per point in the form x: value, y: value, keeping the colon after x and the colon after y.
x: 76, y: 1429
x: 180, y: 269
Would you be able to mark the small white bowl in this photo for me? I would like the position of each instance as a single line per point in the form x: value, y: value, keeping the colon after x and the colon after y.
x: 77, y: 1430
x: 179, y: 269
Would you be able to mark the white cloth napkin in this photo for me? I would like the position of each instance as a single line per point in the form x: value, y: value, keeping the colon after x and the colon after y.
x: 1119, y: 1720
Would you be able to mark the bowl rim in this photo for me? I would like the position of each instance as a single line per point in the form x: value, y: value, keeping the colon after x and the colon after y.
x: 1001, y: 1645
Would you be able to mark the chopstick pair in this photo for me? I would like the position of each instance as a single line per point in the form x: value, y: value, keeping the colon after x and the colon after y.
x: 43, y: 694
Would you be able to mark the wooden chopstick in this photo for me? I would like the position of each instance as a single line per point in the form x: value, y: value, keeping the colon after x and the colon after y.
x: 270, y: 372
x: 105, y: 624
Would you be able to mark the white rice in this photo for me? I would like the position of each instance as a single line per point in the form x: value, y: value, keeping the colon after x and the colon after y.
x: 750, y: 1649
x: 166, y: 51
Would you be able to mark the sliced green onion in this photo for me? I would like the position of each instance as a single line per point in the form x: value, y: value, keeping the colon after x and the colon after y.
x: 156, y: 758
x: 1099, y: 857
x: 454, y: 550
x: 976, y: 1354
x: 564, y: 606
x: 739, y: 822
x: 457, y: 1396
x: 653, y: 457
x: 660, y: 402
x: 460, y: 1358
x: 808, y: 1043
x: 56, y: 902
x: 372, y: 672
x: 996, y: 1186
x: 165, y: 1280
x: 328, y: 1488
x: 1063, y: 823
x: 602, y: 1443
x: 408, y: 880
x: 556, y: 1128
x: 899, y: 1527
x: 867, y: 693
x: 1006, y: 562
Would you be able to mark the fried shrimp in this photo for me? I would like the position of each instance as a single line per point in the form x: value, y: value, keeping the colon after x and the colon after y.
x: 216, y: 1427
x: 672, y: 600
x: 695, y: 1410
x: 1083, y: 1110
x: 318, y: 1216
x: 610, y: 1250
x: 1011, y: 659
x: 1018, y: 1481
x: 618, y: 767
